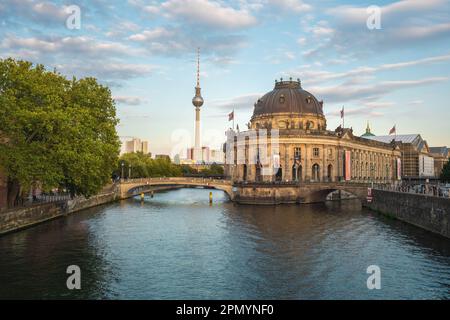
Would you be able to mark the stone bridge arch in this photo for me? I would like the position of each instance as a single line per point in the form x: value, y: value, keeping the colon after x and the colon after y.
x: 321, y: 194
x: 135, y: 187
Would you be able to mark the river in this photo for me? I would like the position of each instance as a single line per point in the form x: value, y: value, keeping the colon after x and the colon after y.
x: 178, y: 246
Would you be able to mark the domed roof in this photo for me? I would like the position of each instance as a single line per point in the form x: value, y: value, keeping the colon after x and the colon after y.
x: 288, y: 97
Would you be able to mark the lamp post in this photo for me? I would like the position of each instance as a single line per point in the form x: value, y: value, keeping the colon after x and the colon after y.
x: 121, y: 176
x: 129, y: 172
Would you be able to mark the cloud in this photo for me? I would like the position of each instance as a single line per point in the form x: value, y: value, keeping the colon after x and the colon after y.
x: 42, y: 12
x: 129, y: 100
x: 291, y: 5
x: 339, y: 94
x: 358, y: 15
x: 403, y: 23
x: 79, y: 45
x: 242, y: 102
x: 208, y: 13
x: 80, y: 56
x: 360, y: 73
x: 108, y: 69
x: 152, y: 35
x: 177, y: 41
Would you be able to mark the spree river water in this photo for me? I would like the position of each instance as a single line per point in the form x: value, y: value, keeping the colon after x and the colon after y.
x: 177, y: 246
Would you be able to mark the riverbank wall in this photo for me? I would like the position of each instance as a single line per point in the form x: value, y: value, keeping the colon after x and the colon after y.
x: 427, y: 212
x: 25, y: 217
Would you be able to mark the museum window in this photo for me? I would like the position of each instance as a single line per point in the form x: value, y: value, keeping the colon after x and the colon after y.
x: 315, y: 152
x: 297, y: 153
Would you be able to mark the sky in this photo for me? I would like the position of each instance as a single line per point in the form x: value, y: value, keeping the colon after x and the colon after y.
x: 394, y: 74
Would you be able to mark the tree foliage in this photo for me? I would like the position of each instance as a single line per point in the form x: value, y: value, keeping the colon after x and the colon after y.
x: 213, y: 170
x: 55, y: 132
x: 445, y: 174
x: 143, y: 166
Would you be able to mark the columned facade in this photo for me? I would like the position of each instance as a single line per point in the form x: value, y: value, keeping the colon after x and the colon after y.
x: 299, y: 148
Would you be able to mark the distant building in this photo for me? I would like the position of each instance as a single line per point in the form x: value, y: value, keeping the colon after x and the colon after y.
x: 416, y: 159
x: 144, y: 147
x: 177, y: 159
x: 190, y: 154
x: 441, y: 156
x: 216, y: 156
x: 205, y: 155
x: 135, y: 145
x: 368, y: 133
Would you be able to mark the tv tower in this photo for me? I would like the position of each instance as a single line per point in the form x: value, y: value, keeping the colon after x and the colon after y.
x: 197, y: 101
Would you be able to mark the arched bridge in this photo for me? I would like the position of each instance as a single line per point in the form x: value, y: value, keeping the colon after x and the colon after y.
x: 249, y: 192
x: 133, y: 187
x: 294, y: 192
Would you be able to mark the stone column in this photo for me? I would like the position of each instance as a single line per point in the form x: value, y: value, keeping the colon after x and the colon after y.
x: 307, y: 168
x: 324, y: 170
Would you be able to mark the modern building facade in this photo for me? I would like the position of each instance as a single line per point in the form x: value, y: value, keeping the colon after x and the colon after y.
x: 134, y: 145
x: 416, y: 159
x: 288, y: 140
x: 441, y: 156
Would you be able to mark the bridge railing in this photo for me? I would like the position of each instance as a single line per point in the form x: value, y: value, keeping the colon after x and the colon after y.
x: 174, y: 179
x: 430, y: 190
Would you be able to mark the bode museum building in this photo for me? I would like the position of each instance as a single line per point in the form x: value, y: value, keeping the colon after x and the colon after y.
x: 288, y: 140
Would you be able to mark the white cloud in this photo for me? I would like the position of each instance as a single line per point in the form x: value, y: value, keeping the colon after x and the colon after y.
x: 176, y: 41
x: 67, y: 45
x: 291, y: 5
x: 359, y: 15
x: 338, y: 93
x: 360, y: 73
x: 208, y: 13
x: 150, y: 35
x: 129, y: 100
x: 243, y: 102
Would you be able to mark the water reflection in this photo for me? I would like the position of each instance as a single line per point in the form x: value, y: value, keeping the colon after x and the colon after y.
x: 177, y: 246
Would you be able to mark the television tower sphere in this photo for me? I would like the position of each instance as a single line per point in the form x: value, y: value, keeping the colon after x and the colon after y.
x: 197, y: 101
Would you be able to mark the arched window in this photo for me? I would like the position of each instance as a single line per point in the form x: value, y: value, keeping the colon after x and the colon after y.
x: 296, y: 172
x: 279, y: 174
x: 315, y: 172
x: 244, y: 174
x: 330, y: 173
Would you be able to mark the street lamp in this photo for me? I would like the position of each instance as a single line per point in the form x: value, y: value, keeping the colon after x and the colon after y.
x: 121, y: 176
x: 129, y: 172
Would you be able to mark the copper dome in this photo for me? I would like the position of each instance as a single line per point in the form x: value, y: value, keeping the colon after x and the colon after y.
x: 288, y: 97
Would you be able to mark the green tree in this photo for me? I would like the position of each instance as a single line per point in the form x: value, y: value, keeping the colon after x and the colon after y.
x: 143, y: 166
x: 213, y: 170
x: 445, y: 174
x: 54, y: 132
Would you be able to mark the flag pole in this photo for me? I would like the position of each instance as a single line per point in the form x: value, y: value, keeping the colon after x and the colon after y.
x: 343, y: 117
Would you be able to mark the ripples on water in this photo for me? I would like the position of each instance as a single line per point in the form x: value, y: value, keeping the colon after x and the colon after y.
x: 177, y: 246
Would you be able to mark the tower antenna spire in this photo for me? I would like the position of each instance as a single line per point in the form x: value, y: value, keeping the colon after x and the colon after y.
x: 198, y: 67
